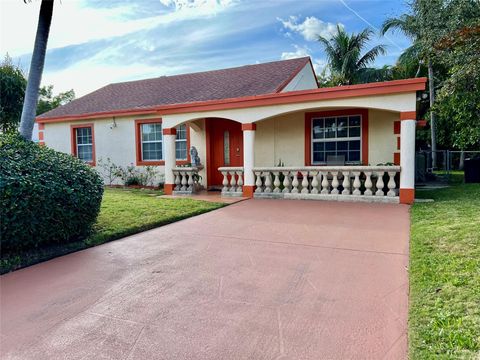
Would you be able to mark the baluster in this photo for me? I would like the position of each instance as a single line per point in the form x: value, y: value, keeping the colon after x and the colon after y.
x: 295, y: 183
x: 335, y: 182
x: 258, y: 182
x: 184, y: 181
x: 177, y: 180
x: 276, y: 182
x: 314, y: 182
x: 325, y: 183
x: 225, y: 181
x: 286, y: 182
x: 356, y: 183
x: 368, y: 183
x: 346, y: 183
x: 268, y: 182
x: 190, y: 181
x: 379, y: 184
x: 195, y: 179
x: 240, y: 181
x: 233, y: 182
x: 304, y: 182
x: 391, y: 184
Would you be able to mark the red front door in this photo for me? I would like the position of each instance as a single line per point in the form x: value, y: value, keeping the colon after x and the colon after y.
x: 225, y: 145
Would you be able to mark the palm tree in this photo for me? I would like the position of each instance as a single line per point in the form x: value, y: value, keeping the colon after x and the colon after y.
x: 27, y: 120
x: 408, y: 25
x: 345, y: 57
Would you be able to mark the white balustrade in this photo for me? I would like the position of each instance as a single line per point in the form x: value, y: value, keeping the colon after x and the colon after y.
x: 342, y: 183
x: 232, y: 181
x: 187, y: 180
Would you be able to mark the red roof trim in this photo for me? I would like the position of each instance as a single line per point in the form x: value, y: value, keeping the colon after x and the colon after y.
x: 338, y: 92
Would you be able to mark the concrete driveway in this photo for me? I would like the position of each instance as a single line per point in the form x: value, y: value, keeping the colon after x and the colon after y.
x: 260, y: 279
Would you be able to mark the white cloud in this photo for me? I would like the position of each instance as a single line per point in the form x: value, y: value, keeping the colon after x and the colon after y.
x: 208, y: 5
x: 318, y: 64
x: 310, y: 28
x: 92, y: 74
x: 298, y: 53
x: 73, y: 23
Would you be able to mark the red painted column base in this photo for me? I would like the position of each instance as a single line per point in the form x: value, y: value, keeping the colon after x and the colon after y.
x: 168, y: 189
x: 248, y: 191
x: 407, y: 196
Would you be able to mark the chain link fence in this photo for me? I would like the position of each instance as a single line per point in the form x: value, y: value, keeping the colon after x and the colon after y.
x: 437, y: 166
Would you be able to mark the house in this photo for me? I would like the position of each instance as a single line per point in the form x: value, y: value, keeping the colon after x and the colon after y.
x: 263, y: 130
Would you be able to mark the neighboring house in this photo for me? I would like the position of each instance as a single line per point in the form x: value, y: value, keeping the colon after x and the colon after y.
x: 247, y: 121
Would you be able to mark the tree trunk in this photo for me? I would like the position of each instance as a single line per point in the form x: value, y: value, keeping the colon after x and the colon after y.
x: 431, y: 88
x: 36, y: 68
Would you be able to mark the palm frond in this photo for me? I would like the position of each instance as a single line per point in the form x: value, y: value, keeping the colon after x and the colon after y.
x: 371, y: 55
x: 405, y: 24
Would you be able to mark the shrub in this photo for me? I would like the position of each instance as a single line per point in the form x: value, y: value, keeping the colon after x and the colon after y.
x: 45, y: 196
x: 109, y: 170
x: 130, y: 175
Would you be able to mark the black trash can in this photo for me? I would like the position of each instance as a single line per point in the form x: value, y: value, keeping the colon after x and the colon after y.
x: 472, y: 170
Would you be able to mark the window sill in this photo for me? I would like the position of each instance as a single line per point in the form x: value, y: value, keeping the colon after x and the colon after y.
x: 160, y: 162
x: 151, y: 163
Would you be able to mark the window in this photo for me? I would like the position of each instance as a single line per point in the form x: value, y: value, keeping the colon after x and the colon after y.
x: 337, y: 136
x: 152, y: 141
x: 150, y: 144
x: 226, y: 148
x: 181, y: 148
x: 83, y: 145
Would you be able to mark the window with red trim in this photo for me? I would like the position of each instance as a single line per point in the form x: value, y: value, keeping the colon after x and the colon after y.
x: 83, y: 143
x: 181, y: 146
x: 150, y: 145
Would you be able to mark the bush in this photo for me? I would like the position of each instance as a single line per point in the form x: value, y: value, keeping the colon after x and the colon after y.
x: 46, y: 196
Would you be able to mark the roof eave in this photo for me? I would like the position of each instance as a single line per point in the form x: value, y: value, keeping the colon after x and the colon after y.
x: 370, y: 89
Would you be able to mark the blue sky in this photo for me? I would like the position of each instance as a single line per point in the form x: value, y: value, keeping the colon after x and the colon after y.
x: 96, y: 42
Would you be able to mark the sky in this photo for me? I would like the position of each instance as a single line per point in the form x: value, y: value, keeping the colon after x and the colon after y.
x: 93, y: 43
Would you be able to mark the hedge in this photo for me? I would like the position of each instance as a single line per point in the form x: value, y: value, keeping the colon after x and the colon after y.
x: 46, y: 197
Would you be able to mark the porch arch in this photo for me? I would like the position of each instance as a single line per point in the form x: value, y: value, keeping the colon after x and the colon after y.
x: 402, y: 102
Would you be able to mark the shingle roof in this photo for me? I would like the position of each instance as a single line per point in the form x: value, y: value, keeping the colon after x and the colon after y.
x: 249, y: 80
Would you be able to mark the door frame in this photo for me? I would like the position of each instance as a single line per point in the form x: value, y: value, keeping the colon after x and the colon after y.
x: 208, y: 139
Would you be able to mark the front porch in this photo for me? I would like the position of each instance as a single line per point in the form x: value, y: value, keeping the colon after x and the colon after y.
x: 285, y: 150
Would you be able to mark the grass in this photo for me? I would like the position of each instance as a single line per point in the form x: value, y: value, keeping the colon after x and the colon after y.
x: 123, y: 212
x: 444, y: 318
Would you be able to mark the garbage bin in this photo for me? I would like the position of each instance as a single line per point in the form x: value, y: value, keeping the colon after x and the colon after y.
x: 472, y: 170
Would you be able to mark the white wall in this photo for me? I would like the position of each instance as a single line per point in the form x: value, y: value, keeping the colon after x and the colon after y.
x: 304, y: 80
x: 116, y: 143
x: 277, y: 138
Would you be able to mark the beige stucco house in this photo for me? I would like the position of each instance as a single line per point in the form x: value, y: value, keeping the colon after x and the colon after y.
x: 263, y: 130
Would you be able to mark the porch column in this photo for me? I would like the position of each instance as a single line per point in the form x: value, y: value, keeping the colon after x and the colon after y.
x: 248, y: 158
x: 169, y: 136
x: 407, y: 157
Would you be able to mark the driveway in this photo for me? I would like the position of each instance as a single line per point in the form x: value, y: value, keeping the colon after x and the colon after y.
x: 260, y: 279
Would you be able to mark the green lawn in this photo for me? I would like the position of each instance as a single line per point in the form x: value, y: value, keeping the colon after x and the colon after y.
x: 444, y: 319
x: 123, y: 212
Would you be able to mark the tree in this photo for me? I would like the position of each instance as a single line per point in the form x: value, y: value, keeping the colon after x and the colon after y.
x: 344, y: 53
x: 409, y: 25
x: 36, y: 68
x: 459, y: 97
x: 12, y: 85
x: 47, y: 101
